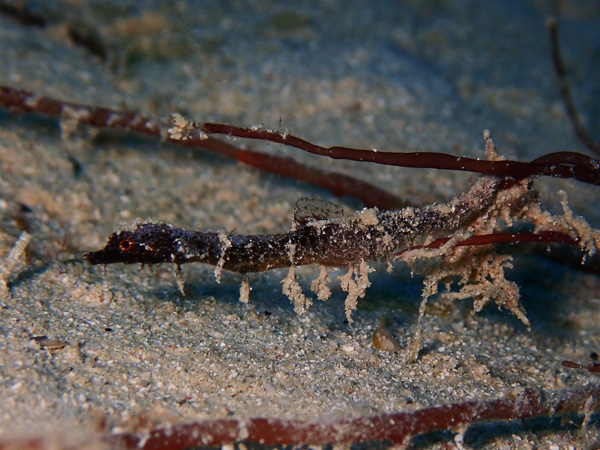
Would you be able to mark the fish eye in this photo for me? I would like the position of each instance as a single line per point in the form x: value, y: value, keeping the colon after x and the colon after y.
x: 126, y: 244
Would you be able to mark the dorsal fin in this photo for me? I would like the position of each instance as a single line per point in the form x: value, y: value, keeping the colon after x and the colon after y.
x: 312, y: 209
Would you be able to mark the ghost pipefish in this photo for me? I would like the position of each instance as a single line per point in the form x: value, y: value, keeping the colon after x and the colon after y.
x: 334, y: 241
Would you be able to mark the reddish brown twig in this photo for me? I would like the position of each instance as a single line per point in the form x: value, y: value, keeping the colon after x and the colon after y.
x: 548, y: 237
x: 559, y: 164
x: 22, y: 14
x: 396, y: 427
x: 342, y: 185
x: 337, y: 183
x: 592, y: 367
x: 565, y: 89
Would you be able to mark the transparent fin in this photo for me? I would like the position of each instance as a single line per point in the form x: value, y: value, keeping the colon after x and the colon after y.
x: 311, y: 209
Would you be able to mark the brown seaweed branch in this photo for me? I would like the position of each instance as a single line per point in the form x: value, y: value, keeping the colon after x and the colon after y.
x: 592, y: 367
x: 397, y: 428
x: 565, y: 89
x: 18, y: 100
x: 548, y: 237
x: 558, y: 164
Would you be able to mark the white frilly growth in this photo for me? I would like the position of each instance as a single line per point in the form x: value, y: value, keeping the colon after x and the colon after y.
x: 245, y: 290
x: 355, y: 283
x: 9, y: 263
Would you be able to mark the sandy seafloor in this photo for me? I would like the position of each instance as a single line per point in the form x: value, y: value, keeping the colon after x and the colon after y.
x: 405, y: 75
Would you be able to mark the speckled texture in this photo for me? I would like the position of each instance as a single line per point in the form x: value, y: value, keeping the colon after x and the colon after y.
x: 386, y: 75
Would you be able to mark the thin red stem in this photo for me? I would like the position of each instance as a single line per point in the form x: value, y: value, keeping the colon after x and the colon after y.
x: 549, y: 237
x: 396, y: 427
x: 558, y: 164
x: 565, y: 90
x: 340, y: 184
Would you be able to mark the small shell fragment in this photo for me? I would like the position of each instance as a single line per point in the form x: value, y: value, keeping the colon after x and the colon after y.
x: 383, y: 339
x: 50, y: 344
